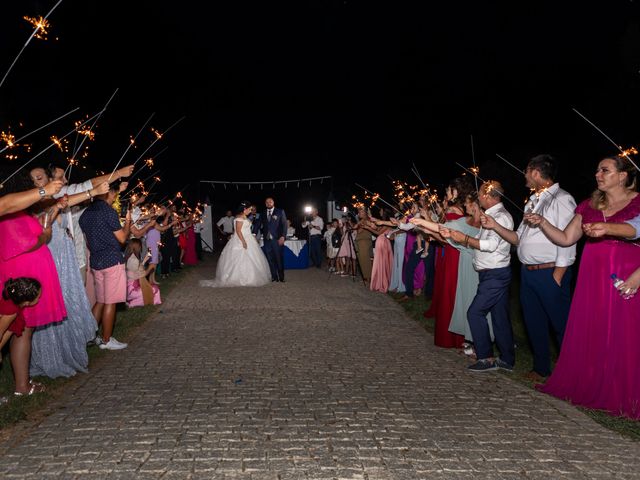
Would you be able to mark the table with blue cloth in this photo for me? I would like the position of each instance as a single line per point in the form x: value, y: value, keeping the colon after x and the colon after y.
x: 296, y: 254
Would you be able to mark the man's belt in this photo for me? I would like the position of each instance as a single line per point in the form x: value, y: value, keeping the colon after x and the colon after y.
x: 540, y: 266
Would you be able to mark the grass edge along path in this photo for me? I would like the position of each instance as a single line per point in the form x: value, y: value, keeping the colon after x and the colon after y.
x: 524, y: 360
x: 34, y: 407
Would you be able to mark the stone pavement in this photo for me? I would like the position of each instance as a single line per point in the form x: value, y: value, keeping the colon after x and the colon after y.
x: 315, y: 378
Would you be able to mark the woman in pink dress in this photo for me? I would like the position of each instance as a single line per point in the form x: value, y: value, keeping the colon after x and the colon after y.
x: 599, y: 358
x: 24, y: 253
x: 347, y: 253
x: 382, y: 258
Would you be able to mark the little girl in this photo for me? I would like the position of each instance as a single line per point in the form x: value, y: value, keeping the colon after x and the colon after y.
x: 17, y: 294
x: 137, y: 271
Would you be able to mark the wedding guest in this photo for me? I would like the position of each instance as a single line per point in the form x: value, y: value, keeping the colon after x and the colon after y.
x: 315, y: 224
x: 597, y: 366
x: 17, y: 294
x: 225, y: 225
x: 24, y: 253
x: 138, y: 269
x: 60, y: 349
x: 347, y: 252
x: 41, y: 174
x: 545, y: 275
x: 332, y: 239
x: 382, y: 258
x: 491, y: 259
x: 364, y: 245
x: 467, y: 282
x: 197, y: 230
x: 105, y: 235
x: 398, y: 237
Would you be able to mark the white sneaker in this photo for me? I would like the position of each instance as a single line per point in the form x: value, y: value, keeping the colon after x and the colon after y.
x: 113, y: 344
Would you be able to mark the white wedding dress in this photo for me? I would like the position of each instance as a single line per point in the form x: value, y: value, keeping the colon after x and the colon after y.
x: 239, y: 266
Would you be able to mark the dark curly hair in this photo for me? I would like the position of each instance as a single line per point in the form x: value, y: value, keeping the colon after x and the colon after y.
x: 20, y: 290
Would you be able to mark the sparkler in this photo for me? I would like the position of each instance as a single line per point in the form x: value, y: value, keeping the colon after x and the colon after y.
x: 510, y: 164
x: 148, y: 162
x: 378, y: 197
x: 158, y: 137
x: 475, y: 168
x: 624, y: 153
x: 41, y: 24
x: 40, y: 128
x: 490, y: 188
x: 43, y: 151
x: 132, y: 141
x: 87, y: 134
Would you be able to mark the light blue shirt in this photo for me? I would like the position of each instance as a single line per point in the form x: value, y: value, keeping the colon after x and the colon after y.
x: 635, y: 223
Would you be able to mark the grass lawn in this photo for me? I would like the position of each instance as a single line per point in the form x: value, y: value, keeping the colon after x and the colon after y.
x: 20, y: 408
x: 524, y: 357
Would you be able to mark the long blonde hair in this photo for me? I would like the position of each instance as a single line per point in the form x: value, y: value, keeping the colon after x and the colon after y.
x: 599, y: 198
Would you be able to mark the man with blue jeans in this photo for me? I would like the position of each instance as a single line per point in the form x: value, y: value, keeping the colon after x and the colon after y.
x: 491, y: 259
x: 545, y: 276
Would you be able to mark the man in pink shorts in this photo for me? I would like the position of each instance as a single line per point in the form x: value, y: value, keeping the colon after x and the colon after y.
x: 105, y: 237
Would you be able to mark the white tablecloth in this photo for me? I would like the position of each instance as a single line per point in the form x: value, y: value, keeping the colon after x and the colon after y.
x: 295, y: 246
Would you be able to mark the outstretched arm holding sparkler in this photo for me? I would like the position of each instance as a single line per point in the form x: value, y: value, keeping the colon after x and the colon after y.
x: 490, y: 223
x: 14, y: 202
x: 564, y: 238
x: 123, y: 172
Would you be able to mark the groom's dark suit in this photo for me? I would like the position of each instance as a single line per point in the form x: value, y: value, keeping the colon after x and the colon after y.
x: 273, y: 227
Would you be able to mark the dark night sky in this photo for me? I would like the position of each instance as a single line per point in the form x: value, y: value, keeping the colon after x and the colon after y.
x: 288, y: 89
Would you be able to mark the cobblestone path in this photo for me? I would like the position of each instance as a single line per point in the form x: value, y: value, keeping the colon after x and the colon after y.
x: 316, y: 378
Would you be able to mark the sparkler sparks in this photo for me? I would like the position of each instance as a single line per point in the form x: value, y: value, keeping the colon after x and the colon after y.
x: 87, y: 132
x: 9, y: 139
x: 157, y: 133
x: 628, y: 151
x: 41, y: 24
x: 33, y: 34
x: 63, y: 145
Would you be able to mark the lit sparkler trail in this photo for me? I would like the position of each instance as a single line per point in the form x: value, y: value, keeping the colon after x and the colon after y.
x: 39, y: 26
x: 378, y: 197
x: 131, y: 143
x: 510, y: 164
x: 43, y: 151
x: 473, y: 158
x: 40, y: 128
x: 490, y: 188
x: 158, y: 137
x: 622, y: 152
x: 148, y: 162
x: 87, y: 134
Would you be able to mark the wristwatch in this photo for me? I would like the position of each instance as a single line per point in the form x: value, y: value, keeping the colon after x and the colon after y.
x: 42, y: 192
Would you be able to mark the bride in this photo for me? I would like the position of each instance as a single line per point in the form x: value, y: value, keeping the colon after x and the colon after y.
x: 242, y: 262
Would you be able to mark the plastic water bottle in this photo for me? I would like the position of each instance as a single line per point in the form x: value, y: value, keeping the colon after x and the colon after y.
x: 616, y: 281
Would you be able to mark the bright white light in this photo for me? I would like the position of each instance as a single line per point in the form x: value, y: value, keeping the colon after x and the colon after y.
x: 308, y: 209
x: 344, y: 209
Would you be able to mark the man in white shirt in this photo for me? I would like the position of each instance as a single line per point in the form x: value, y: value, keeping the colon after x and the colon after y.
x: 491, y: 259
x: 225, y: 225
x: 546, y: 274
x: 315, y: 224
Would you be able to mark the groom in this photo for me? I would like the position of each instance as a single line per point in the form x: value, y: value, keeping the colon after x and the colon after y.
x: 273, y: 225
